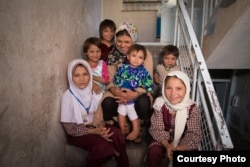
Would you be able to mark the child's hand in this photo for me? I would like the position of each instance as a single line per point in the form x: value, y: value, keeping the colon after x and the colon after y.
x: 156, y: 78
x: 101, y: 125
x: 125, y: 96
x: 105, y: 133
x: 102, y: 132
x: 181, y: 148
x: 96, y: 88
x: 150, y: 98
x: 169, y: 152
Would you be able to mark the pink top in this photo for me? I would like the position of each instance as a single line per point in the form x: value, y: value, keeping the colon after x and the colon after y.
x: 101, y: 70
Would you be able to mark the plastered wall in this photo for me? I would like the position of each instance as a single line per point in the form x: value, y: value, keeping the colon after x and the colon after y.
x: 145, y: 21
x: 37, y: 40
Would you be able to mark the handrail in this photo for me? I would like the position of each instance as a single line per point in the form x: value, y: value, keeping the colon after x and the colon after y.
x: 192, y: 62
x: 210, y: 8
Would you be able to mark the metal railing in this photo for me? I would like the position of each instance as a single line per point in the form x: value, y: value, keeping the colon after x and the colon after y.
x: 210, y: 8
x: 215, y: 132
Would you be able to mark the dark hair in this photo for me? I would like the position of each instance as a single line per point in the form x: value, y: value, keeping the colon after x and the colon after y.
x: 137, y: 47
x: 169, y: 49
x: 91, y: 41
x: 106, y: 24
x: 122, y: 32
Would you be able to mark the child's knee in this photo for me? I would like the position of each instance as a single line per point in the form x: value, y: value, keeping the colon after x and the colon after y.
x: 155, y: 151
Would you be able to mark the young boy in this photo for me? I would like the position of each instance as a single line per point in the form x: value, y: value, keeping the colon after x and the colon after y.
x: 168, y: 57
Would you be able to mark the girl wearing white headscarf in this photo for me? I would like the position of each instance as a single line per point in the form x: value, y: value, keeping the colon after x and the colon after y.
x: 78, y: 108
x: 175, y: 125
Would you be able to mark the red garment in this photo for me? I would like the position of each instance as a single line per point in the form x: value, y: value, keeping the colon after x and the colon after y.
x: 100, y: 150
x: 162, y: 127
x: 105, y: 51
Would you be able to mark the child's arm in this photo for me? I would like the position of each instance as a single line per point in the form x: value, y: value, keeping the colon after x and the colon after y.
x: 193, y: 133
x: 151, y: 98
x: 147, y: 81
x: 157, y: 126
x: 75, y: 130
x: 156, y: 78
x: 104, y: 79
x: 105, y: 74
x: 99, y: 79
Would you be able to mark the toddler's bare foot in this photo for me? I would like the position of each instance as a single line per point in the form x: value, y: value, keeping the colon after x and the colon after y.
x: 132, y: 135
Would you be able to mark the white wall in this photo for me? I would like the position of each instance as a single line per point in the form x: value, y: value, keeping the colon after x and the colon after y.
x: 144, y: 20
x: 37, y: 40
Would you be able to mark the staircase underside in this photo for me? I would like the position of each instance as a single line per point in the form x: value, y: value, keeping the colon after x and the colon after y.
x: 233, y: 51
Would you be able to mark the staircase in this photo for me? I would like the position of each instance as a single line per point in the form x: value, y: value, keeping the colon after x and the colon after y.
x: 191, y: 60
x: 229, y: 42
x: 215, y: 131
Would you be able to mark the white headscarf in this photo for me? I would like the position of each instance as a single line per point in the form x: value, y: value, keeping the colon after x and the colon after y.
x: 180, y: 108
x: 84, y: 95
x: 130, y: 28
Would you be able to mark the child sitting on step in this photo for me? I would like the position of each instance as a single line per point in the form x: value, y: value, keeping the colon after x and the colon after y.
x: 168, y: 57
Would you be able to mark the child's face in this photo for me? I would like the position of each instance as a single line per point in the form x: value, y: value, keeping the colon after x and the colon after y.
x: 94, y: 53
x: 175, y: 90
x: 169, y: 60
x: 108, y: 34
x: 136, y: 58
x: 80, y: 77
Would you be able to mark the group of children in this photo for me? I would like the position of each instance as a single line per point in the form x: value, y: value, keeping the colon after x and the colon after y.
x: 132, y: 75
x: 97, y: 49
